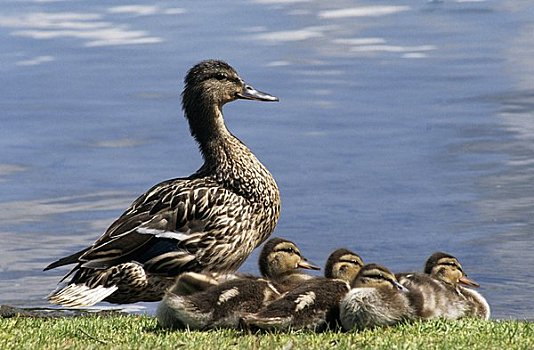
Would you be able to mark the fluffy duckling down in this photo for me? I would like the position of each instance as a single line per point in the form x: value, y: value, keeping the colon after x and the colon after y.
x: 376, y: 299
x: 223, y: 305
x: 314, y: 304
x: 442, y: 290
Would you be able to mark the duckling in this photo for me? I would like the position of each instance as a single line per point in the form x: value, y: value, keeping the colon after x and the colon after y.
x: 223, y: 305
x: 343, y: 264
x: 314, y: 304
x: 193, y: 282
x: 283, y: 269
x: 440, y: 291
x: 209, y: 221
x: 376, y: 299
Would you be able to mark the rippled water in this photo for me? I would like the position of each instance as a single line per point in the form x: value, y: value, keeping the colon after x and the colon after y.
x: 403, y: 128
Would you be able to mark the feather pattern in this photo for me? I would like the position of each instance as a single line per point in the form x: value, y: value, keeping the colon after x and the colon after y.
x: 199, y: 302
x: 312, y: 305
x: 376, y: 299
x: 210, y: 221
x: 441, y: 291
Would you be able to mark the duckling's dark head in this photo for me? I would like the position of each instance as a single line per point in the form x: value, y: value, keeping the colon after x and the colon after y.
x: 435, y: 259
x: 447, y: 268
x: 343, y: 264
x: 208, y: 86
x: 376, y: 276
x: 280, y: 256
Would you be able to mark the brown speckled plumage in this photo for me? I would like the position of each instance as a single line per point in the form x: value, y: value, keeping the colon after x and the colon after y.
x: 441, y: 291
x: 210, y: 221
x: 224, y: 304
x: 313, y: 305
x: 376, y: 299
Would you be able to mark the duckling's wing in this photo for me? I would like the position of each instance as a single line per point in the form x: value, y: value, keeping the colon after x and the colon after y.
x: 357, y: 307
x: 176, y: 311
x: 478, y: 306
x: 310, y: 306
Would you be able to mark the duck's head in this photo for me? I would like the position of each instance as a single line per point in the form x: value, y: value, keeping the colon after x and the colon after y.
x: 208, y: 86
x: 343, y: 264
x: 215, y: 82
x: 447, y: 268
x: 376, y: 276
x: 280, y: 256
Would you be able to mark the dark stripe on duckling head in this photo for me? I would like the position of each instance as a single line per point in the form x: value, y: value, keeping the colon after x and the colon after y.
x: 433, y: 260
x: 374, y: 275
x: 343, y: 264
x: 448, y: 269
x: 267, y: 249
x: 280, y: 256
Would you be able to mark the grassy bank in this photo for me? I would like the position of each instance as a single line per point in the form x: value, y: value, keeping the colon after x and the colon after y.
x: 133, y: 332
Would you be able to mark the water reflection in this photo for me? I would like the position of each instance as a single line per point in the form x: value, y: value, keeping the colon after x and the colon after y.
x: 94, y: 29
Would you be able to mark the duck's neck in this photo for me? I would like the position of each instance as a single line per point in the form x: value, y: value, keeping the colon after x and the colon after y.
x: 220, y: 149
x: 226, y: 159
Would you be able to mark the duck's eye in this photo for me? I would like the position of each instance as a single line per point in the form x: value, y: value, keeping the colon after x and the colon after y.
x: 220, y: 76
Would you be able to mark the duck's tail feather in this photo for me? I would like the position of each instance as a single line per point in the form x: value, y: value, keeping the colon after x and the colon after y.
x: 80, y: 295
x: 71, y: 259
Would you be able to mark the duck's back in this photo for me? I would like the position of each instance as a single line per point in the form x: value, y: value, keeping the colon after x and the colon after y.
x: 179, y: 225
x: 184, y: 225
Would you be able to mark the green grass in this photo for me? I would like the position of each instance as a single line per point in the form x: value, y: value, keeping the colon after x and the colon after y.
x: 133, y: 332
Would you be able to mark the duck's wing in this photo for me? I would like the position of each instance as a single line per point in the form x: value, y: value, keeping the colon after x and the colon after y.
x: 164, y: 229
x: 71, y: 259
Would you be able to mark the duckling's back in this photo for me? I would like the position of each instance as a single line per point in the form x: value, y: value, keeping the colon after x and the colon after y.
x: 432, y: 298
x: 311, y: 306
x: 219, y: 306
x: 369, y: 307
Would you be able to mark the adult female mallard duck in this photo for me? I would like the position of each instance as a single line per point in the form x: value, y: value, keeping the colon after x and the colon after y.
x: 223, y: 305
x: 314, y: 304
x: 376, y: 299
x: 440, y: 291
x: 210, y: 221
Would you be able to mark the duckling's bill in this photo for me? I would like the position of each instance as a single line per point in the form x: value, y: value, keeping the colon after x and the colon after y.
x: 250, y: 93
x: 400, y: 287
x: 468, y: 282
x: 304, y: 264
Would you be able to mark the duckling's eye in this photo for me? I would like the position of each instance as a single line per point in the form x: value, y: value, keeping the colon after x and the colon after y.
x: 289, y: 250
x: 453, y: 265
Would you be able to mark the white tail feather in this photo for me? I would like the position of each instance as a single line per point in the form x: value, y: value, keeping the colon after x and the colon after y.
x: 79, y: 295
